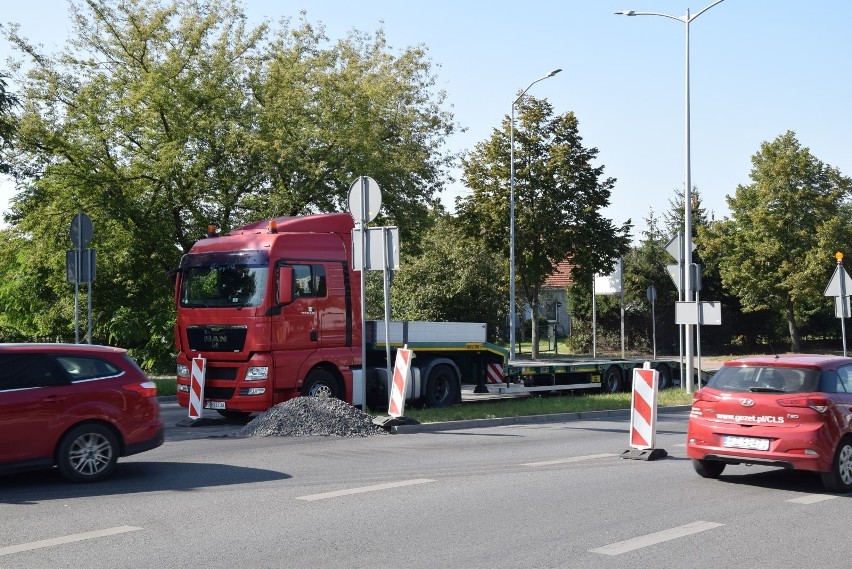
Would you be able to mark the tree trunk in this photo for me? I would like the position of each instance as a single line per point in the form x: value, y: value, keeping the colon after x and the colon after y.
x: 534, y: 327
x: 795, y: 339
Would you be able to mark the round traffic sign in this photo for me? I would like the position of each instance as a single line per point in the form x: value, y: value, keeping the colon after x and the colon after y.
x: 365, y: 199
x: 81, y: 230
x: 651, y: 293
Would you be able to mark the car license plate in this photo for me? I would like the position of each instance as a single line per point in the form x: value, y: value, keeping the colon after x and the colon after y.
x: 214, y: 404
x: 748, y: 443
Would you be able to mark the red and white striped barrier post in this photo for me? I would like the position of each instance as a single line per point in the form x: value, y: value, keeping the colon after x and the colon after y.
x: 196, y: 388
x: 643, y: 415
x: 401, y: 376
x: 494, y: 373
x: 401, y: 371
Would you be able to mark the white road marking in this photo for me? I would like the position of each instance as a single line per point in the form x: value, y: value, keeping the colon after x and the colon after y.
x: 812, y: 498
x: 363, y: 489
x: 65, y: 539
x: 570, y: 459
x: 680, y: 445
x: 654, y: 538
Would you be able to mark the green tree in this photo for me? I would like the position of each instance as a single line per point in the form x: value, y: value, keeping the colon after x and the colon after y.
x: 7, y: 123
x: 454, y: 278
x: 645, y: 266
x: 559, y: 194
x: 775, y: 250
x: 159, y: 118
x: 328, y: 115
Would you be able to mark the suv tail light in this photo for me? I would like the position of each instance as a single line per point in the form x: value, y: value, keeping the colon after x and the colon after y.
x: 817, y: 403
x: 145, y: 388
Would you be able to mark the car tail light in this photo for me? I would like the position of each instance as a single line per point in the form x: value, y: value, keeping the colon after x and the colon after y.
x: 145, y: 388
x: 817, y: 403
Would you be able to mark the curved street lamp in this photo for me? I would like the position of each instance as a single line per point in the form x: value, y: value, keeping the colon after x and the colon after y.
x: 512, y: 215
x: 687, y: 198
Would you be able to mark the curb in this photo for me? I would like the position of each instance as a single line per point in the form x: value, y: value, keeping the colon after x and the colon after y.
x: 526, y: 420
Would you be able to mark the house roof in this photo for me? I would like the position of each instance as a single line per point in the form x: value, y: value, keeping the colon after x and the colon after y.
x: 561, y: 276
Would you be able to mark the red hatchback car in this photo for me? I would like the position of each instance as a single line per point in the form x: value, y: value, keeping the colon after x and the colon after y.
x: 75, y: 406
x: 788, y: 411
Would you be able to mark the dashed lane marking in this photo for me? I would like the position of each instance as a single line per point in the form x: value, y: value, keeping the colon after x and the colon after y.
x: 363, y: 489
x: 812, y: 498
x: 569, y: 459
x: 8, y: 550
x: 654, y: 538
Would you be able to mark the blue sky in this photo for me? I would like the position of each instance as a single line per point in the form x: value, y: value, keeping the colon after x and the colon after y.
x: 758, y: 68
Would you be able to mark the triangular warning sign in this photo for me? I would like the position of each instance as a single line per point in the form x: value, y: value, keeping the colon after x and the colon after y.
x: 833, y: 288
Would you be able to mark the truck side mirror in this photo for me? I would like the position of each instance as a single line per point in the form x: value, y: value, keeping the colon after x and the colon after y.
x: 285, y: 293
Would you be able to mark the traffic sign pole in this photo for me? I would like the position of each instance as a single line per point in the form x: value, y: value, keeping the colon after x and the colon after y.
x: 837, y: 287
x: 843, y: 314
x: 365, y: 200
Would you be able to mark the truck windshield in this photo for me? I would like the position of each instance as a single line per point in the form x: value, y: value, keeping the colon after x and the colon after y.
x: 223, y: 279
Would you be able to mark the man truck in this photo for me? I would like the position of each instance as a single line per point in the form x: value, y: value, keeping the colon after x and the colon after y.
x: 274, y: 308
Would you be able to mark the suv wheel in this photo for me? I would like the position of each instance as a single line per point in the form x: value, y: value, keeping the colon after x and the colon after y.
x: 87, y: 453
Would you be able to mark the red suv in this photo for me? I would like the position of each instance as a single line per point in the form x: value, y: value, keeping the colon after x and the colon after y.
x: 75, y: 406
x: 788, y: 411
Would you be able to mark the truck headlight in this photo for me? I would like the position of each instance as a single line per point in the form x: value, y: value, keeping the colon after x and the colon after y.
x: 182, y: 370
x: 257, y: 373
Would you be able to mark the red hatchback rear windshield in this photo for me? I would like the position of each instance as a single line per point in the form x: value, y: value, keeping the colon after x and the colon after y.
x: 754, y: 379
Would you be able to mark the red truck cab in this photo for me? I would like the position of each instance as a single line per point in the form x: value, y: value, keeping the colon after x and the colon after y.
x: 271, y: 306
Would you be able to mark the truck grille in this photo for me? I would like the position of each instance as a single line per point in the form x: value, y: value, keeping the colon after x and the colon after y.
x: 216, y: 338
x: 219, y: 393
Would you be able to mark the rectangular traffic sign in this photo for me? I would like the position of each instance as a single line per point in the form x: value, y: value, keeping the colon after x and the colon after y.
x: 708, y: 313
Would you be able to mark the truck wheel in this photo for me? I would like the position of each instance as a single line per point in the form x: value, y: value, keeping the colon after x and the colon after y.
x: 233, y: 414
x: 321, y: 383
x: 442, y: 386
x: 839, y: 479
x: 87, y: 453
x: 665, y: 380
x: 612, y: 380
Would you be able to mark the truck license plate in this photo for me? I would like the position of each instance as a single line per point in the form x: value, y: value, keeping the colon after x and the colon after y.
x: 748, y: 443
x: 214, y: 404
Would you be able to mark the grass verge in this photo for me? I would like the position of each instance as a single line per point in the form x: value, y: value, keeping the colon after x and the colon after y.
x: 541, y: 405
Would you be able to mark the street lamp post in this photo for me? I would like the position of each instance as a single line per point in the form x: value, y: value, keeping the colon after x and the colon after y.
x: 687, y: 194
x: 512, y: 215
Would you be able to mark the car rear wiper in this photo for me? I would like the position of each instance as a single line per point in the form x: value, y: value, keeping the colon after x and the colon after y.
x: 766, y: 389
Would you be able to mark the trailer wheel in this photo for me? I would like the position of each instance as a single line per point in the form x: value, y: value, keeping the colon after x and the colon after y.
x: 613, y: 381
x: 321, y: 383
x: 665, y: 380
x: 442, y: 386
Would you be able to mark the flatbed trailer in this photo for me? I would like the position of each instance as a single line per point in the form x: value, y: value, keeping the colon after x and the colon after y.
x: 475, y: 361
x: 608, y: 375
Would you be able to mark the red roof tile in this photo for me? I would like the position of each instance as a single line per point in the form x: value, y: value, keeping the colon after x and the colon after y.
x: 561, y: 277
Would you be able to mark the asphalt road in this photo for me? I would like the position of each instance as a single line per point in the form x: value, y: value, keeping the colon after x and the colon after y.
x: 553, y: 494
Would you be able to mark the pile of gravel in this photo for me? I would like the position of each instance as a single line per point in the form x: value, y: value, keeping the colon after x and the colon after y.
x: 307, y: 416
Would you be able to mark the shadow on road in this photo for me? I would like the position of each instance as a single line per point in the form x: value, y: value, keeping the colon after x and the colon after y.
x: 779, y: 479
x: 131, y: 477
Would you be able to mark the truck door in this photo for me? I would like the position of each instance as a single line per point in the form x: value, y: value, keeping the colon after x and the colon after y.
x: 334, y: 321
x: 297, y: 329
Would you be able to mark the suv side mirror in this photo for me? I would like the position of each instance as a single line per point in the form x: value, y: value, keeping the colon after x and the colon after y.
x: 284, y: 293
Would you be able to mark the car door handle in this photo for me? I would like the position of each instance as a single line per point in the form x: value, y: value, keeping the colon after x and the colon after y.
x: 54, y: 399
x: 313, y: 335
